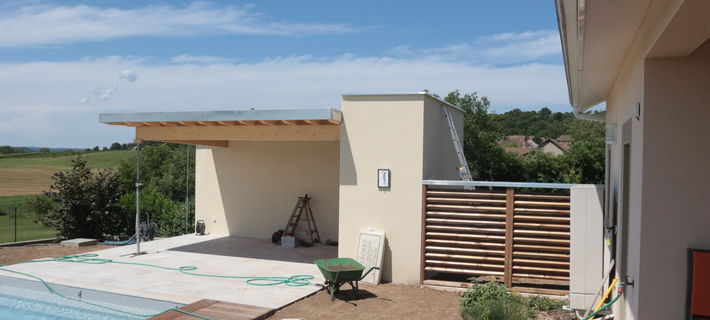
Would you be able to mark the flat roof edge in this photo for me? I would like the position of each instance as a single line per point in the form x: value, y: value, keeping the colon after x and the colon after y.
x: 404, y: 94
x: 230, y: 115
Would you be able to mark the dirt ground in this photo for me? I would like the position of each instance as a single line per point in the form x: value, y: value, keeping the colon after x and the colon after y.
x: 386, y: 301
x: 15, y: 255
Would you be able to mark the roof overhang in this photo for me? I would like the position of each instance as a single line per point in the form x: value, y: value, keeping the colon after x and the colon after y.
x: 595, y: 36
x: 598, y: 36
x: 217, y: 128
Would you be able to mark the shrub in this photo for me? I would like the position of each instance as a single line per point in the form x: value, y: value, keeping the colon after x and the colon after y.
x: 540, y: 303
x: 81, y: 203
x: 492, y: 301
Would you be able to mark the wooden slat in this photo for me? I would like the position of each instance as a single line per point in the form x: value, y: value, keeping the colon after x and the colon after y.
x: 541, y: 203
x: 542, y: 232
x: 540, y: 254
x: 540, y: 269
x: 541, y: 225
x: 542, y: 240
x: 466, y: 229
x: 542, y: 262
x: 462, y: 257
x: 466, y: 243
x: 468, y: 216
x: 464, y: 264
x: 518, y: 280
x: 465, y: 250
x: 463, y: 236
x: 469, y: 194
x: 531, y: 210
x: 465, y: 208
x: 449, y: 221
x: 543, y: 196
x: 539, y: 247
x: 539, y: 276
x: 554, y: 292
x: 465, y: 271
x: 542, y: 218
x: 464, y: 200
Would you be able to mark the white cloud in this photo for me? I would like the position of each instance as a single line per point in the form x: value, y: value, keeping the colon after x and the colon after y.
x: 129, y: 75
x: 45, y: 24
x: 287, y: 82
x: 188, y: 58
x: 502, y: 48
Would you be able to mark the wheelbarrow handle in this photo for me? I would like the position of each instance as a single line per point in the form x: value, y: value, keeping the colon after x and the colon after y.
x: 368, y: 272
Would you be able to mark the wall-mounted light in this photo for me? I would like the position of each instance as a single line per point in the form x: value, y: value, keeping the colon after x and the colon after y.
x: 383, y: 178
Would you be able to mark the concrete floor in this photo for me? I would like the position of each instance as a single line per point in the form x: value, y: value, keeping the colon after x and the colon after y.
x: 212, y: 254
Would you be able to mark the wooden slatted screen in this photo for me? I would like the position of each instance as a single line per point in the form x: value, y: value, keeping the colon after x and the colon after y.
x: 519, y: 238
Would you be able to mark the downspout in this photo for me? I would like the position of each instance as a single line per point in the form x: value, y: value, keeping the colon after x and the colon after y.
x: 579, y: 114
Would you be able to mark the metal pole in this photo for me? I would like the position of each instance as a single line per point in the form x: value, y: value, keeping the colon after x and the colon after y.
x: 15, y: 224
x: 138, y: 198
x: 187, y: 187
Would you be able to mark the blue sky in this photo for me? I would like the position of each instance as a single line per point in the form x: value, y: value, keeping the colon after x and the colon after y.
x: 62, y: 63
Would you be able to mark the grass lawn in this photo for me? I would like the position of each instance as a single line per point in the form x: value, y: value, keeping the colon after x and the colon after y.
x: 27, y: 229
x: 22, y: 174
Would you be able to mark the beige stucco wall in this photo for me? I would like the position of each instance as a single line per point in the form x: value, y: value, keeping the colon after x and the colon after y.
x: 668, y: 174
x: 440, y: 160
x: 251, y: 188
x: 387, y: 132
x: 676, y: 171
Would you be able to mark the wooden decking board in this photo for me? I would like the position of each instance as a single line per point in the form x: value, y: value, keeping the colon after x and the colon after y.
x: 217, y: 310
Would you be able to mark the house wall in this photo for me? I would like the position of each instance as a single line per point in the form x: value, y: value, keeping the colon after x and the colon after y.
x: 440, y: 160
x: 666, y: 174
x: 406, y: 134
x: 676, y: 171
x: 250, y: 188
x: 383, y: 132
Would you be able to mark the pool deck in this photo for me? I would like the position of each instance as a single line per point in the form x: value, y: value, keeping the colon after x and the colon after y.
x: 212, y: 254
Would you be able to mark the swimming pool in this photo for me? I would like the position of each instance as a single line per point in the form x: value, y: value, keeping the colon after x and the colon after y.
x: 24, y: 299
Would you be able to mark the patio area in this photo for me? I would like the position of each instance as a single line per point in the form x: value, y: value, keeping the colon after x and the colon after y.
x: 211, y: 254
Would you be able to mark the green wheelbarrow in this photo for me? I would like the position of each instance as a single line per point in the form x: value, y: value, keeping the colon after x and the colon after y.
x: 339, y: 271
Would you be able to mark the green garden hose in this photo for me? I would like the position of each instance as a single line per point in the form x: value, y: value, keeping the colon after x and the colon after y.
x: 91, y: 258
x: 604, y: 307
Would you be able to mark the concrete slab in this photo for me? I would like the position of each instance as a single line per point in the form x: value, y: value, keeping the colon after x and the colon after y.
x: 78, y: 242
x: 211, y: 254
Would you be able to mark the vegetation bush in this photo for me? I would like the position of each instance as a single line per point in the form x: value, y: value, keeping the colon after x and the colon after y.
x: 493, y: 301
x: 82, y: 203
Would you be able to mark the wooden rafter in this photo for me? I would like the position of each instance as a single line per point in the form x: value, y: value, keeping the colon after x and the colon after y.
x: 311, y: 122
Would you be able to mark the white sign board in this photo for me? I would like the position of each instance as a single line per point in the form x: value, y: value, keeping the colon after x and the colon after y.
x: 370, y: 249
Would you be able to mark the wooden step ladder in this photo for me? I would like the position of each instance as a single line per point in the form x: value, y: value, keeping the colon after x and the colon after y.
x: 301, y: 207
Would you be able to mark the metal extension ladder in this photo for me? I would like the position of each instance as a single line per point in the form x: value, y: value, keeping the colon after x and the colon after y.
x: 463, y: 170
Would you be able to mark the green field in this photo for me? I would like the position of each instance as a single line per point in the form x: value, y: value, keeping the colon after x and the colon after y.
x: 23, y: 174
x: 27, y: 229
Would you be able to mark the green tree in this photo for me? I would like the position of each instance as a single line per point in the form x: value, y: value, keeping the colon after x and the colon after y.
x: 44, y: 150
x: 82, y: 203
x: 487, y: 160
x: 586, y: 154
x: 115, y: 146
x: 167, y: 175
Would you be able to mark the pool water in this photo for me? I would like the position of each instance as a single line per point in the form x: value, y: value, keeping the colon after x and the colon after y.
x: 18, y: 303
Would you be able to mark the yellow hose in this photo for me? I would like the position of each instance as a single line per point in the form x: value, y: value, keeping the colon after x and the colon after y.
x: 606, y: 294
